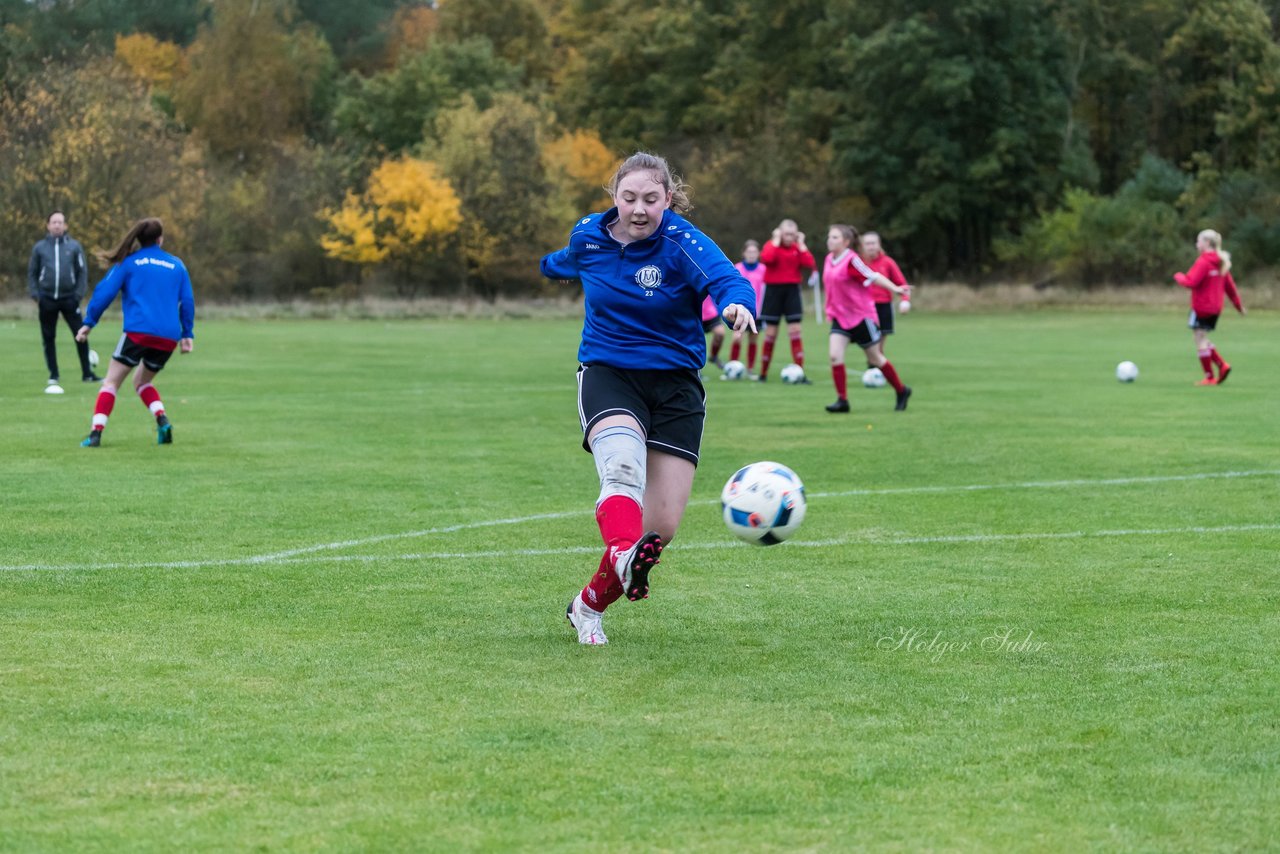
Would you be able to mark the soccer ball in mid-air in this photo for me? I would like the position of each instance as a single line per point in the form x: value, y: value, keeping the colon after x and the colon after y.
x: 763, y: 503
x: 93, y: 358
x: 734, y: 370
x: 872, y: 378
x: 1126, y: 372
x: 793, y: 374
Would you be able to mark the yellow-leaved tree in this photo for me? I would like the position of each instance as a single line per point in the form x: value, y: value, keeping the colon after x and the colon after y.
x: 157, y: 63
x: 401, y: 220
x: 578, y: 166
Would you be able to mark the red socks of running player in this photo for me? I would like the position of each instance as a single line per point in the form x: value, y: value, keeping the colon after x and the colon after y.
x: 102, y: 407
x: 151, y: 399
x: 1206, y: 362
x: 891, y: 374
x: 841, y: 378
x: 621, y: 522
x: 107, y: 401
x: 766, y: 356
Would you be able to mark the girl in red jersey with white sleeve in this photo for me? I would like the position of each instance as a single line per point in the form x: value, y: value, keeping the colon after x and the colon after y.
x: 852, y: 309
x: 1208, y: 279
x: 753, y: 271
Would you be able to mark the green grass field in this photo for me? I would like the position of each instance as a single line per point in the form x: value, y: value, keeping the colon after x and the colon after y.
x: 331, y: 615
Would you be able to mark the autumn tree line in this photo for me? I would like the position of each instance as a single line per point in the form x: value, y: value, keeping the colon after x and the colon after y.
x: 325, y: 148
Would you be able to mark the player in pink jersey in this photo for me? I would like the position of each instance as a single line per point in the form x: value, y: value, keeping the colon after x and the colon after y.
x: 852, y: 309
x: 711, y: 323
x: 1208, y: 280
x: 753, y: 271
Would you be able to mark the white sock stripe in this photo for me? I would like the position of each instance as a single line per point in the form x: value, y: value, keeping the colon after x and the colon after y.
x: 99, y: 420
x: 156, y: 407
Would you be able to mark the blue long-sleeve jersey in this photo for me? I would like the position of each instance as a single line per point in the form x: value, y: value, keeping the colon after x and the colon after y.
x: 644, y: 299
x: 157, y: 295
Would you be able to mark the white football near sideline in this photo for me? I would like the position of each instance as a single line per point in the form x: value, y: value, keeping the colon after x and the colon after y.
x: 763, y: 503
x: 54, y: 389
x: 793, y: 374
x: 93, y: 358
x: 1126, y: 372
x: 873, y: 378
x: 734, y: 370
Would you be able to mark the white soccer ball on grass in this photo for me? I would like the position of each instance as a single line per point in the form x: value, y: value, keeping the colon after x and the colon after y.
x: 873, y: 378
x: 793, y: 374
x: 734, y: 370
x: 763, y: 503
x: 1126, y: 372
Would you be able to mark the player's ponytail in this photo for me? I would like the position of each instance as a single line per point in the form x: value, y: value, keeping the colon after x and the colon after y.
x: 145, y: 232
x: 1214, y: 239
x: 643, y: 161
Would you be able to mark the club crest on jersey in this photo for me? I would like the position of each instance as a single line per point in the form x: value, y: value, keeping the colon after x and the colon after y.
x: 649, y: 277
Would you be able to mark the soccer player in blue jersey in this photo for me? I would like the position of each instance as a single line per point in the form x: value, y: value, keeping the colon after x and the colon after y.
x: 645, y: 271
x: 159, y: 313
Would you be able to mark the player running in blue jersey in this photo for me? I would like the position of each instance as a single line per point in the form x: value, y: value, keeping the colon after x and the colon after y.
x: 159, y: 314
x: 645, y: 271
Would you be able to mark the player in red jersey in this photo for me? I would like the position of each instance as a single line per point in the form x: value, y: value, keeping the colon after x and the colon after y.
x: 1208, y: 279
x: 787, y: 262
x: 753, y: 271
x: 848, y: 280
x: 877, y: 259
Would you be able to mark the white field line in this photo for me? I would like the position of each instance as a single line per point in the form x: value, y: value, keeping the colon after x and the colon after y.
x: 295, y: 555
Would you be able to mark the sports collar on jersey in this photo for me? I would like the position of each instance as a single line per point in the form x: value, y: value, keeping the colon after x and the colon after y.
x: 665, y: 225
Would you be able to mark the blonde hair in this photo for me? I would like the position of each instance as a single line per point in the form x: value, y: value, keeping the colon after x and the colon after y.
x: 1215, y: 240
x: 643, y: 161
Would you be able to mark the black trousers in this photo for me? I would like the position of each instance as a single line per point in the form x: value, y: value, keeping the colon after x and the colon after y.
x: 69, y: 308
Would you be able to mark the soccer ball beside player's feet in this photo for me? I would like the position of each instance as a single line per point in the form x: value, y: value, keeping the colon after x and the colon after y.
x: 902, y: 398
x: 634, y: 564
x: 164, y: 431
x: 93, y: 440
x: 586, y: 621
x: 1222, y: 374
x: 841, y: 405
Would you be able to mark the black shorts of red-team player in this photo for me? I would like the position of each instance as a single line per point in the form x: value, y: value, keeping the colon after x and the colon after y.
x: 150, y: 350
x: 781, y: 301
x: 865, y: 333
x: 670, y: 405
x: 884, y: 311
x: 1207, y: 322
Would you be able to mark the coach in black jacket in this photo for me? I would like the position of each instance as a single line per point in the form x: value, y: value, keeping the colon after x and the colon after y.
x: 57, y: 279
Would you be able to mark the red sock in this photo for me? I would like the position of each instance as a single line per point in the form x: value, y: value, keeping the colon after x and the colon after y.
x: 891, y: 375
x: 841, y: 379
x: 797, y: 350
x: 151, y: 399
x: 102, y: 407
x: 1206, y: 362
x: 735, y: 351
x: 766, y: 356
x: 621, y: 522
x: 716, y: 343
x: 605, y: 587
x: 751, y: 355
x: 1217, y: 360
